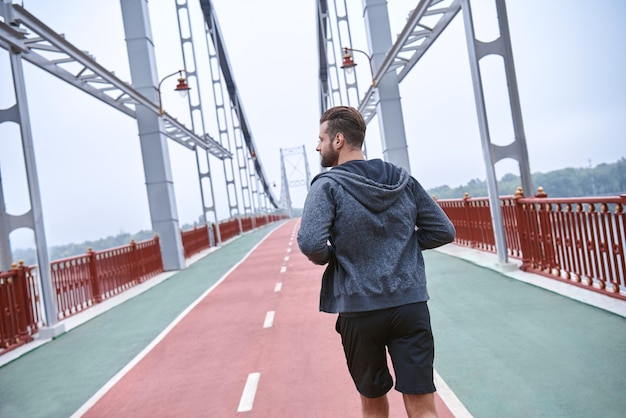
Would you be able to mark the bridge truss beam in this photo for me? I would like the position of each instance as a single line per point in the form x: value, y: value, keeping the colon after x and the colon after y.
x: 46, y: 49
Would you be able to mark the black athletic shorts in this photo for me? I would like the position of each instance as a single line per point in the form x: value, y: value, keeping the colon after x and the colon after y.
x: 405, y: 331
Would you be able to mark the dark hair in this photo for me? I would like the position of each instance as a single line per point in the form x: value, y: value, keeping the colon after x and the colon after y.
x: 345, y: 120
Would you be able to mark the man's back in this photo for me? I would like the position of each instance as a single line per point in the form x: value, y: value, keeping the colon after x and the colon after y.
x: 369, y: 210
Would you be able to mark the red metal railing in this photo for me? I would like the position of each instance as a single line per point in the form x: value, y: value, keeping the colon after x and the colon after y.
x: 578, y: 240
x: 195, y: 240
x: 19, y: 298
x: 575, y: 240
x: 229, y: 229
x: 82, y: 281
x: 247, y: 224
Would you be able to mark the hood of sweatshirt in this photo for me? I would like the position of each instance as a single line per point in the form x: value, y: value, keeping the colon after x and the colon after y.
x: 373, y: 183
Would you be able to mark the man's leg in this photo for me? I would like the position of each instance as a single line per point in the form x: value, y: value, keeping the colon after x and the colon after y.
x: 422, y: 406
x: 375, y: 407
x: 363, y: 339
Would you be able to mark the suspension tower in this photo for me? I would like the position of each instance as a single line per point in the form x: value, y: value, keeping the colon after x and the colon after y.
x: 294, y: 168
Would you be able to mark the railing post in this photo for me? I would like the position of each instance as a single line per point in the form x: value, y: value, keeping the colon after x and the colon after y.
x: 240, y: 225
x: 6, y: 329
x: 23, y: 307
x: 468, y: 220
x: 547, y: 256
x: 158, y: 252
x: 522, y: 229
x: 216, y: 239
x: 93, y: 276
x: 136, y: 270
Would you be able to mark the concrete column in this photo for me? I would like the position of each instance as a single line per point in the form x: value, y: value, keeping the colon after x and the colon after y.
x: 389, y: 108
x: 154, y: 149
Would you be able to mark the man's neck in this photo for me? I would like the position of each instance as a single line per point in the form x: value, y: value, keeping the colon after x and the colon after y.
x: 352, y: 155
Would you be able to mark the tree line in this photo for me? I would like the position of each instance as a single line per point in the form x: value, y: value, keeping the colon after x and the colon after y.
x: 58, y: 252
x: 606, y: 179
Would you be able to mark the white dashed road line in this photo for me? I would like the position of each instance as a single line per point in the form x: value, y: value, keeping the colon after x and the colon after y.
x: 269, y: 320
x: 249, y: 392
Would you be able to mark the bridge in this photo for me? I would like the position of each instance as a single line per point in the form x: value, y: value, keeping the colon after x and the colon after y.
x: 243, y: 196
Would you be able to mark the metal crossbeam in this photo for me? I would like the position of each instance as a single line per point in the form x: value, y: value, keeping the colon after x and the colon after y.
x: 426, y: 22
x: 48, y: 50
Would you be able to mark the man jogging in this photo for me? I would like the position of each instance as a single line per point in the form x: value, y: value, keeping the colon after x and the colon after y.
x: 369, y: 221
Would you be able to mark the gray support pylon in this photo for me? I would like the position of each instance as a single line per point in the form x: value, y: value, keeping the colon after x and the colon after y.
x: 254, y: 186
x: 254, y: 182
x: 294, y: 172
x: 493, y: 153
x: 389, y: 107
x: 323, y: 34
x: 329, y: 29
x: 285, y: 197
x: 307, y: 171
x: 517, y: 149
x: 33, y: 218
x: 345, y: 40
x: 213, y: 31
x: 154, y: 149
x: 5, y: 228
x: 298, y: 174
x: 331, y: 91
x: 203, y: 161
x: 217, y: 88
x: 243, y: 156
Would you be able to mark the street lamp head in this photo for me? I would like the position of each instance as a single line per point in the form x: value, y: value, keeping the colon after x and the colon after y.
x: 348, y: 63
x: 182, y: 87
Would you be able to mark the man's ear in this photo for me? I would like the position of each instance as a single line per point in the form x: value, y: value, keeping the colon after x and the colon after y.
x: 339, y: 139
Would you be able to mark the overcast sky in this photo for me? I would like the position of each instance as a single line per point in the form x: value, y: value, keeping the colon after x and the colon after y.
x: 569, y: 59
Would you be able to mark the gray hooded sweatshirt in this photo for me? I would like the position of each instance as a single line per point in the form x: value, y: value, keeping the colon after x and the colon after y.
x: 370, y: 220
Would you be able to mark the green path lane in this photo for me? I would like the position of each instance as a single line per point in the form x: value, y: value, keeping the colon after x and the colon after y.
x: 509, y: 349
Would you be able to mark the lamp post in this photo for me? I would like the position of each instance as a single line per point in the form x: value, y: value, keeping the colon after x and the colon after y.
x: 182, y: 87
x: 348, y: 63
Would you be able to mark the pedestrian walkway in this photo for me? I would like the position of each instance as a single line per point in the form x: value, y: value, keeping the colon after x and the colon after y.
x: 237, y: 333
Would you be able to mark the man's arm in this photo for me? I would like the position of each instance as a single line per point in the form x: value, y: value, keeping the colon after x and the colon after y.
x: 434, y: 227
x: 317, y: 217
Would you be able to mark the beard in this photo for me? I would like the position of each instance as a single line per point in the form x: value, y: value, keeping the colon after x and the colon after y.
x: 329, y: 159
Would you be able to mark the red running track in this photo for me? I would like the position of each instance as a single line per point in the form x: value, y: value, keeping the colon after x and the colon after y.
x: 200, y: 368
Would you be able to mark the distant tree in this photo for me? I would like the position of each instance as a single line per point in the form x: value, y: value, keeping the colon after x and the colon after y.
x: 605, y: 179
x: 58, y: 252
x: 27, y: 255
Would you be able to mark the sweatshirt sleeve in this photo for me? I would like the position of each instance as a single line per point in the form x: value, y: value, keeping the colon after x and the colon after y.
x: 317, y: 218
x: 434, y: 229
